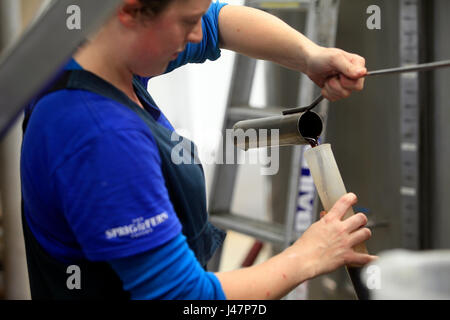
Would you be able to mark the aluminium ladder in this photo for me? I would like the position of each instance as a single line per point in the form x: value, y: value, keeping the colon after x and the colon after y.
x: 321, y: 27
x: 41, y: 51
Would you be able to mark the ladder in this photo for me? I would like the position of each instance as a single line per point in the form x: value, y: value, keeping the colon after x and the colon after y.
x: 321, y: 27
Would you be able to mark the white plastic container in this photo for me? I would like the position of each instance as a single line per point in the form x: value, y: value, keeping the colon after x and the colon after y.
x: 328, y: 180
x: 409, y: 275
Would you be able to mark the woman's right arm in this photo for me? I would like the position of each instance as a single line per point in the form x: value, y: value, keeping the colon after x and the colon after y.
x: 324, y: 247
x: 172, y: 272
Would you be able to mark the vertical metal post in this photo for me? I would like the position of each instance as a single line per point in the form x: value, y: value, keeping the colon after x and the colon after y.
x: 240, y: 90
x: 15, y: 265
x: 409, y: 124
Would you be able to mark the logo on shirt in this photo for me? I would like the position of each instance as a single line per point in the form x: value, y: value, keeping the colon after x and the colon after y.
x: 137, y: 228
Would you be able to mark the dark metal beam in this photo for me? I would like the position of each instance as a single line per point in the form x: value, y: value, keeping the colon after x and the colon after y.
x: 34, y: 60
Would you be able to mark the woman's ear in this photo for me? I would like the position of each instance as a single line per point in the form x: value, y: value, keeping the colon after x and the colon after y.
x: 128, y: 12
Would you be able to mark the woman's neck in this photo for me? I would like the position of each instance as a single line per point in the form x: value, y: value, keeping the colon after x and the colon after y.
x: 108, y: 67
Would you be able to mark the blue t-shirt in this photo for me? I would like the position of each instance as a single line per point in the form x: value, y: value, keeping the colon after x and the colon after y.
x: 91, y: 176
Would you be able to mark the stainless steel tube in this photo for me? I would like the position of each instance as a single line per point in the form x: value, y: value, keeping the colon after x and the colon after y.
x: 292, y: 130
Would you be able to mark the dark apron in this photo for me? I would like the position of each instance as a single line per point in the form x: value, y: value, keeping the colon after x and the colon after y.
x: 185, y: 184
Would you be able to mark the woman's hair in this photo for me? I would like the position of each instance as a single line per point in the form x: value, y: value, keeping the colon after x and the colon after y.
x: 154, y: 7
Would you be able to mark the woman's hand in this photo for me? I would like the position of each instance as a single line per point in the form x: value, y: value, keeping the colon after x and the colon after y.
x: 328, y: 242
x: 337, y: 72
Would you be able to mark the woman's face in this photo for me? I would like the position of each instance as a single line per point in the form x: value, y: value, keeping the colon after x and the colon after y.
x: 160, y: 39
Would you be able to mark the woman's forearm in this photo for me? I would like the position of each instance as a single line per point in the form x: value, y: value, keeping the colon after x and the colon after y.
x: 324, y: 247
x: 260, y: 35
x: 272, y: 279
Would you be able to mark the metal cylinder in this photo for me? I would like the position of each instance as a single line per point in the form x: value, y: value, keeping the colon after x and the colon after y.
x: 292, y: 130
x: 16, y: 276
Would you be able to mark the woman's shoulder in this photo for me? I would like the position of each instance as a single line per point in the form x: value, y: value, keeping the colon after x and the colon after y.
x: 66, y: 121
x: 80, y: 110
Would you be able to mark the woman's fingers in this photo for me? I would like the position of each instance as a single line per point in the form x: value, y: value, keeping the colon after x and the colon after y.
x: 339, y: 87
x: 351, y: 65
x: 351, y: 84
x: 359, y: 236
x: 342, y: 205
x: 334, y: 89
x: 355, y: 222
x: 360, y: 259
x: 326, y: 93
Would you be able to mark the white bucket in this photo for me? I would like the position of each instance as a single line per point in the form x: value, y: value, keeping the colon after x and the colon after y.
x: 409, y: 275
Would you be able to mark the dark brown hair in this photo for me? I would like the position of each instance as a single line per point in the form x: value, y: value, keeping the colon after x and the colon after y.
x: 154, y: 7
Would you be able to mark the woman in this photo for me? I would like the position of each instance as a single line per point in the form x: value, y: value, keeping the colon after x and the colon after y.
x: 101, y: 193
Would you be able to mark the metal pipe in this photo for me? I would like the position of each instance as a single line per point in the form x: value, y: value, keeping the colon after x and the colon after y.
x: 41, y: 52
x: 9, y: 24
x: 292, y: 130
x: 15, y: 272
x: 411, y: 68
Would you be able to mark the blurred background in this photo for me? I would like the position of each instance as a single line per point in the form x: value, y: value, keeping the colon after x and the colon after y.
x: 405, y: 196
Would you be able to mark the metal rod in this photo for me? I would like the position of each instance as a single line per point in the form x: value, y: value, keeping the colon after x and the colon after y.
x: 305, y: 109
x: 412, y: 68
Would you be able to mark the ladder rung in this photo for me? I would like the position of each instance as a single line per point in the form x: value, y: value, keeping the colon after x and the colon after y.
x: 244, y: 113
x: 279, y: 4
x: 264, y: 231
